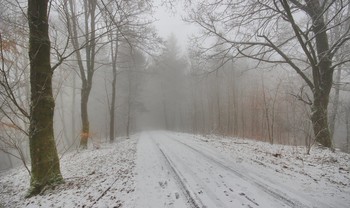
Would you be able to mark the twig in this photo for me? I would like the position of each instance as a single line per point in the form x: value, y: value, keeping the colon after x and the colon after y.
x: 104, y: 193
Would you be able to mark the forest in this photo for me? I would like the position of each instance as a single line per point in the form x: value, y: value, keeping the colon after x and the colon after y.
x: 75, y: 74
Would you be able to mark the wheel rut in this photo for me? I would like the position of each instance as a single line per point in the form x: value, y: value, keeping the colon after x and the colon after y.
x: 192, y: 199
x: 287, y: 201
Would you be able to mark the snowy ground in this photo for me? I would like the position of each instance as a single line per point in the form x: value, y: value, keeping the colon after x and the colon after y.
x: 226, y: 172
x: 164, y: 169
x: 94, y: 178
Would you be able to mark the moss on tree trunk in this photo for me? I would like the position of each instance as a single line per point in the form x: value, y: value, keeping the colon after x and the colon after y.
x: 44, y: 158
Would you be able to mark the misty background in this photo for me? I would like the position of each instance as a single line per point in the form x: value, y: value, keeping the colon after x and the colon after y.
x: 164, y: 81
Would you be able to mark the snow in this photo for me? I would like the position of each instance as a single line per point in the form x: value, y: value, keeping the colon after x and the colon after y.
x: 169, y: 169
x: 156, y: 186
x: 322, y: 177
x: 88, y: 174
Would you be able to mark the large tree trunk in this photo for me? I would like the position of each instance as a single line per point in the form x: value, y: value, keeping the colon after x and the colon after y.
x: 322, y: 75
x: 320, y: 121
x: 44, y: 159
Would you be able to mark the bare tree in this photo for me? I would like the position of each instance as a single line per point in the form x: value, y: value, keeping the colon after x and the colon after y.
x: 113, y: 39
x: 340, y: 56
x: 119, y: 16
x: 125, y: 23
x: 270, y: 111
x: 135, y: 64
x: 87, y: 65
x: 14, y: 95
x: 14, y: 83
x: 281, y: 32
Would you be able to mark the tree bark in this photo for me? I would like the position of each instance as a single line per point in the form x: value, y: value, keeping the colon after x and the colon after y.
x: 73, y: 135
x: 217, y: 92
x: 90, y: 25
x: 114, y: 50
x: 164, y: 105
x: 347, y: 114
x: 86, y: 73
x: 334, y: 112
x: 85, y: 132
x: 320, y: 121
x: 44, y: 158
x: 112, y: 110
x: 63, y: 120
x: 129, y: 105
x: 322, y: 76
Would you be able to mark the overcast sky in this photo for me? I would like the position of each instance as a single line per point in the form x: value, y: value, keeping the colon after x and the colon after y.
x: 169, y: 22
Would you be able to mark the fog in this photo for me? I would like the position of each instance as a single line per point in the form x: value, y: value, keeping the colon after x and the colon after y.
x: 171, y: 74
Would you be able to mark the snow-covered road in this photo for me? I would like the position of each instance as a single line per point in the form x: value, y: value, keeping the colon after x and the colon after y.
x: 175, y: 171
x: 168, y: 169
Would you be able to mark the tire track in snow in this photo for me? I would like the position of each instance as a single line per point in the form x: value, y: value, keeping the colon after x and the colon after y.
x: 193, y: 181
x: 192, y: 198
x: 276, y: 194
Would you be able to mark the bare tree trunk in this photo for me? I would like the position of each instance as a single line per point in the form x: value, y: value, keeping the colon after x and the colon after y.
x: 112, y: 110
x: 242, y: 116
x: 129, y: 105
x: 128, y: 124
x: 166, y: 120
x: 273, y: 112
x: 63, y: 120
x: 235, y: 112
x: 85, y: 132
x: 347, y: 123
x: 217, y: 89
x: 203, y: 114
x: 44, y: 158
x: 234, y: 116
x: 209, y: 109
x: 320, y: 121
x: 73, y: 108
x: 181, y: 119
x: 266, y: 108
x: 114, y: 50
x: 229, y: 110
x: 322, y: 76
x: 335, y: 104
x: 254, y: 116
x: 194, y: 115
x: 90, y: 53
